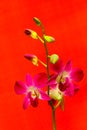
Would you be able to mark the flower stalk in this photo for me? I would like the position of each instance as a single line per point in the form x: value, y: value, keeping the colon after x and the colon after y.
x: 40, y: 39
x: 42, y: 63
x: 48, y: 73
x: 53, y: 119
x: 53, y: 109
x: 47, y: 68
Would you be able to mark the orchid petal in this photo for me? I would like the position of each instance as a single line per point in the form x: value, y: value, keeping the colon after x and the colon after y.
x: 40, y: 80
x: 68, y: 66
x: 20, y: 87
x: 69, y: 90
x: 67, y: 87
x: 52, y: 82
x: 28, y: 80
x: 58, y: 66
x: 26, y: 102
x: 52, y: 85
x: 77, y: 75
x: 44, y: 96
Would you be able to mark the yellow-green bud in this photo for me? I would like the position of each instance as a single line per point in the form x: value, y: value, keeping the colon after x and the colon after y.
x: 49, y: 38
x: 54, y: 58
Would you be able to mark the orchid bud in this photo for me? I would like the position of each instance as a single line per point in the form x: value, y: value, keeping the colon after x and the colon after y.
x: 32, y: 58
x: 49, y: 38
x: 37, y: 21
x: 54, y: 58
x: 32, y: 33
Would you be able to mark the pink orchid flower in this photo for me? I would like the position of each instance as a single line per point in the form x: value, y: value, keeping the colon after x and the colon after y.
x: 63, y: 82
x: 32, y: 89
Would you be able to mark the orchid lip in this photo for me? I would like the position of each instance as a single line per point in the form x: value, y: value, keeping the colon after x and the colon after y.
x: 34, y: 91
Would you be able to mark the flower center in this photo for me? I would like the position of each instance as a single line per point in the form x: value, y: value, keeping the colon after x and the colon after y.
x: 62, y: 77
x: 34, y: 91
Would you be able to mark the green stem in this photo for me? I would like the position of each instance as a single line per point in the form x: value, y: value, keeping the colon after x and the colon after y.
x: 42, y: 63
x: 47, y: 68
x: 53, y: 109
x: 40, y: 39
x: 53, y: 119
x: 43, y: 29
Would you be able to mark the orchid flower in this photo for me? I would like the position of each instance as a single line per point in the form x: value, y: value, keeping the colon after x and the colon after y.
x: 63, y: 82
x: 32, y: 90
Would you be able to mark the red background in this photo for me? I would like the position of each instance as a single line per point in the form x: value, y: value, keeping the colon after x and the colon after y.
x: 66, y: 20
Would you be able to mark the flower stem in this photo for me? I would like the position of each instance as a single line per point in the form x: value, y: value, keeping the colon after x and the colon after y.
x: 40, y: 39
x: 48, y: 73
x: 42, y: 63
x: 53, y: 119
x: 53, y: 109
x: 47, y: 68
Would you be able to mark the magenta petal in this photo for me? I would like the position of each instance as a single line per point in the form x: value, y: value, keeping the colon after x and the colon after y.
x: 58, y: 67
x: 40, y: 80
x: 53, y: 85
x: 28, y: 80
x: 52, y: 82
x: 77, y: 75
x: 20, y: 87
x: 26, y: 102
x: 44, y: 96
x: 69, y: 90
x: 53, y: 78
x: 68, y: 66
